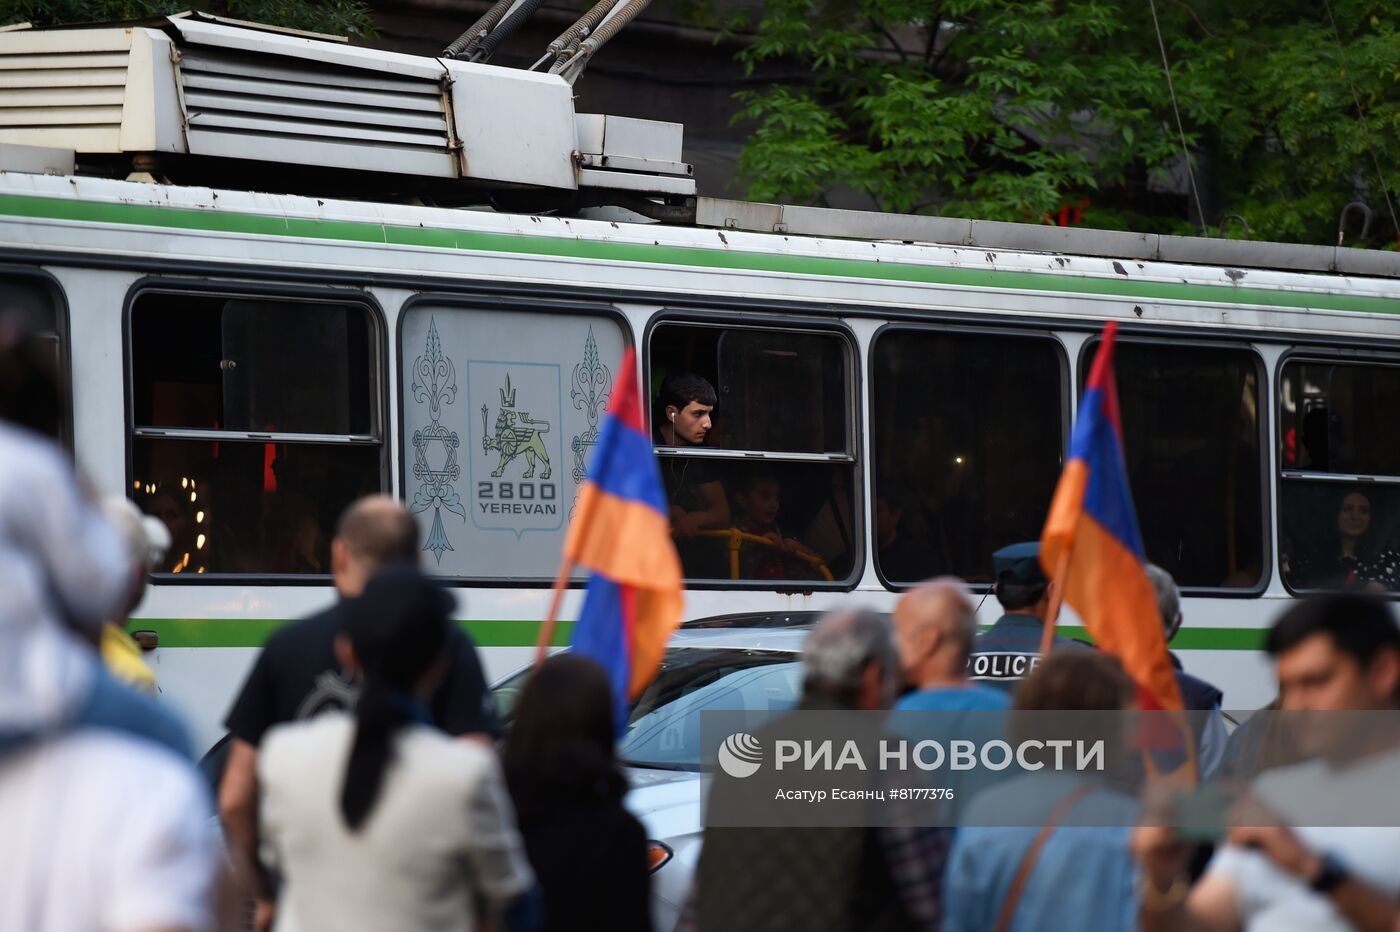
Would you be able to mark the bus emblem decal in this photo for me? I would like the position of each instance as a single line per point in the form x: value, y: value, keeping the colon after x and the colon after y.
x: 435, y: 447
x: 516, y: 435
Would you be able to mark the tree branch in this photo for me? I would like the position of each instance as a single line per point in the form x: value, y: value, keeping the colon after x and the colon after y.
x: 934, y: 29
x: 903, y: 55
x: 1189, y: 9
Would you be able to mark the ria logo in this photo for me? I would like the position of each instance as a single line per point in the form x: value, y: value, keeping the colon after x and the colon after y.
x: 740, y: 755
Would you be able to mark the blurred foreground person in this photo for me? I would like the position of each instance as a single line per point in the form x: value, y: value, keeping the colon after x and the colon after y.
x: 1049, y: 850
x: 300, y: 674
x: 63, y: 572
x: 105, y: 824
x: 1200, y: 697
x: 589, y: 853
x: 935, y: 624
x: 105, y: 830
x: 376, y: 819
x: 858, y: 879
x: 146, y: 540
x: 1298, y: 856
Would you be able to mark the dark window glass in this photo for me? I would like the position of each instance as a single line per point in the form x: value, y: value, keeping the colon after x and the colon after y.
x: 240, y: 507
x: 1336, y: 419
x: 241, y: 366
x: 781, y: 518
x: 1191, y: 441
x: 778, y: 391
x: 1339, y: 535
x: 968, y: 441
x: 34, y: 304
x: 1340, y: 418
x: 252, y: 364
x: 788, y: 522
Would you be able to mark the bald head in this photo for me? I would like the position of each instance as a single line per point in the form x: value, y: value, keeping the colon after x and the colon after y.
x: 373, y: 532
x: 935, y: 623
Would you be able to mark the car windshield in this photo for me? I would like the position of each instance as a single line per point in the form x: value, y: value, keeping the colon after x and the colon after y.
x: 663, y: 730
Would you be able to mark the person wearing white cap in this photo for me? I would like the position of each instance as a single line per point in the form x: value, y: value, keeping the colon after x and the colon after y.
x: 147, y: 539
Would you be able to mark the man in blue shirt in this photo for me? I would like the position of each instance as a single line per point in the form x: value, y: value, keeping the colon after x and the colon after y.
x: 935, y: 624
x: 1006, y: 653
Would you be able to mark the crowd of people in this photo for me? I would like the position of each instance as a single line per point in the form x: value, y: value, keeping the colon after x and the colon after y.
x: 368, y: 782
x: 1070, y: 850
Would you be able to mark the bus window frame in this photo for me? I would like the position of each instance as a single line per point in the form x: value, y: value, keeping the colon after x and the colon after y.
x: 1336, y: 355
x: 236, y: 288
x: 741, y: 318
x: 1006, y: 330
x: 486, y: 301
x: 64, y: 328
x: 1267, y: 394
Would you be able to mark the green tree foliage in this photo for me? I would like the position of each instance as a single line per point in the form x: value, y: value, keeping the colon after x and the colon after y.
x: 336, y: 17
x: 1014, y: 110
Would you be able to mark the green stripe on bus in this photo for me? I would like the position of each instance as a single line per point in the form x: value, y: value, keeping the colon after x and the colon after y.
x: 695, y: 256
x: 1194, y: 638
x: 252, y: 632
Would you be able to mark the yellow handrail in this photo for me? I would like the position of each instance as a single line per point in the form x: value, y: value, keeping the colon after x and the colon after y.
x: 737, y: 538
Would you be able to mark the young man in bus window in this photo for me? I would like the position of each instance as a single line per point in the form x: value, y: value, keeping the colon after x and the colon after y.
x: 697, y: 498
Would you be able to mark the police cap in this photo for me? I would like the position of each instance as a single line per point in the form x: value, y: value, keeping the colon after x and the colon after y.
x: 1019, y: 563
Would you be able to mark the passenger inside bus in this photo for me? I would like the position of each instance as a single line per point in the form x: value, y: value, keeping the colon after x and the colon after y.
x: 757, y: 504
x: 201, y: 539
x: 696, y: 494
x: 901, y: 558
x: 1352, y: 549
x: 774, y: 400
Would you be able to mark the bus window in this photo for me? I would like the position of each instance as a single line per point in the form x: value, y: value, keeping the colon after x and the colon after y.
x: 1191, y: 440
x: 35, y: 304
x: 501, y: 411
x: 1339, y: 493
x: 968, y: 439
x: 255, y: 423
x: 753, y: 431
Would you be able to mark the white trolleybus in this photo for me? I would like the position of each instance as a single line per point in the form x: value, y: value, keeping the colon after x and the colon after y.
x: 894, y: 393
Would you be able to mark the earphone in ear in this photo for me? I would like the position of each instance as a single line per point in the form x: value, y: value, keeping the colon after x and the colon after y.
x: 672, y: 416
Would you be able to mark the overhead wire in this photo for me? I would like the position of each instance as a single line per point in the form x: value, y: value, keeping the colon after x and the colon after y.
x: 1181, y: 131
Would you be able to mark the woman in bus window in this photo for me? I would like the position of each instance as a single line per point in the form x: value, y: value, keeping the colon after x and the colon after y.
x: 1351, y: 556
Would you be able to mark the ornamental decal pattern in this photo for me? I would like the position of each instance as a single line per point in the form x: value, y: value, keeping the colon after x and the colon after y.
x: 435, y: 447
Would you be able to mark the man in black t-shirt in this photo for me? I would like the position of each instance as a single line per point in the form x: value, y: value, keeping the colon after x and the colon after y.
x: 697, y: 498
x: 299, y: 673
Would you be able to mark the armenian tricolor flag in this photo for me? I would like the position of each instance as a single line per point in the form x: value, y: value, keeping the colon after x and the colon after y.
x: 1091, y: 546
x: 621, y: 532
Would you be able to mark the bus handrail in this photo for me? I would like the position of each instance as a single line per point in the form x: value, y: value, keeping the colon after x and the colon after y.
x: 737, y: 538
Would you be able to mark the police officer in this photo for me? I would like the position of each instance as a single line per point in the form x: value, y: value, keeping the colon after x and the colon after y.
x: 1007, y: 652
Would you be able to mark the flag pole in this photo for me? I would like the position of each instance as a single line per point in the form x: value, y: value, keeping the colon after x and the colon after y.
x: 1057, y: 597
x: 561, y: 583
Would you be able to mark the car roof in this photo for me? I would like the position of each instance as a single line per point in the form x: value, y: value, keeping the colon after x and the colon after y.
x: 754, y: 620
x: 777, y: 639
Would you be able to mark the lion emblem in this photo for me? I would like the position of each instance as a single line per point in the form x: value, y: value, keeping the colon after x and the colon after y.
x: 516, y: 435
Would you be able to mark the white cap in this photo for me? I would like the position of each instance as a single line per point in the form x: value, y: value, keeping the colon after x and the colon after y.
x: 147, y: 538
